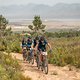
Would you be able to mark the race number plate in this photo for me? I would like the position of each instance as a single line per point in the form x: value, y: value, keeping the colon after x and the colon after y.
x: 44, y: 53
x: 24, y: 47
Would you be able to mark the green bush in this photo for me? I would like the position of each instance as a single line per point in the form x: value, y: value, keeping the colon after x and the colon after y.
x: 65, y: 34
x: 65, y: 51
x: 10, y: 43
x: 15, y: 46
x: 10, y: 69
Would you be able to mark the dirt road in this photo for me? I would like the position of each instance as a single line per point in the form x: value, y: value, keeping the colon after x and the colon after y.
x: 55, y: 73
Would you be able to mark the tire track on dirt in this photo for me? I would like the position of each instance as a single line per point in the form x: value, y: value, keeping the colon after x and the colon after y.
x: 55, y: 73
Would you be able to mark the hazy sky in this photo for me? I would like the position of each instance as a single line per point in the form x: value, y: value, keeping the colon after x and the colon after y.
x: 48, y: 2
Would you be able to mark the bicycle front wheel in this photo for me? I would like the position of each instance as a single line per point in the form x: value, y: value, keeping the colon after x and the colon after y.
x: 45, y: 65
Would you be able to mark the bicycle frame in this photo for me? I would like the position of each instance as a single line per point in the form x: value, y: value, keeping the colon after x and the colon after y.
x: 43, y: 62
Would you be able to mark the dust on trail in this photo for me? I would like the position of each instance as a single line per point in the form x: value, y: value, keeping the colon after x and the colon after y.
x: 55, y: 73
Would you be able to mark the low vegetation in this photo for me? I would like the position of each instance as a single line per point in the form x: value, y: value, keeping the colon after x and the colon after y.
x: 9, y: 42
x: 65, y: 51
x: 65, y: 34
x: 10, y: 69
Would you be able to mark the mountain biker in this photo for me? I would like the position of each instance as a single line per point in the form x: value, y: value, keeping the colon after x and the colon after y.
x: 23, y: 42
x: 35, y: 43
x: 42, y: 46
x: 29, y: 42
x: 29, y: 45
x: 24, y: 53
x: 24, y: 48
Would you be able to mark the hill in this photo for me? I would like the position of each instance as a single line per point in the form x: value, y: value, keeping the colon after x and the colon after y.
x: 60, y: 10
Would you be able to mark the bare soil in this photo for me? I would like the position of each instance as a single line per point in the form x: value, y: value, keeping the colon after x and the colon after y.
x: 55, y: 72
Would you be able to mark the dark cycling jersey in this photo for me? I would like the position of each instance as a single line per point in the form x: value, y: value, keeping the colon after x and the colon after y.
x: 34, y: 43
x: 23, y: 43
x: 42, y: 45
x: 29, y: 43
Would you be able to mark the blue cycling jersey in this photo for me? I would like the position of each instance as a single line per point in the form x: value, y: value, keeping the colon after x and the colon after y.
x: 23, y: 43
x: 29, y: 43
x: 42, y: 45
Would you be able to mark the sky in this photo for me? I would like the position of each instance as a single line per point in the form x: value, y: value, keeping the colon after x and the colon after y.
x: 47, y: 2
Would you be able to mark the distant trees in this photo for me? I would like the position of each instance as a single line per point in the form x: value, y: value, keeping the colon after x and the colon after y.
x: 63, y: 34
x: 3, y: 25
x: 37, y: 26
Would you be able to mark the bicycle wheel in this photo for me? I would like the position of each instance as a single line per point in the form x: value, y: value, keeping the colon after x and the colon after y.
x: 32, y: 59
x: 24, y: 55
x: 38, y: 62
x: 36, y: 58
x: 29, y: 57
x: 45, y: 65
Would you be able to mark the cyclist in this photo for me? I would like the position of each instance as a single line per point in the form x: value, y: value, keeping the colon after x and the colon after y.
x: 35, y: 42
x: 29, y: 42
x: 24, y: 48
x: 29, y: 45
x: 23, y: 42
x: 24, y: 53
x: 42, y: 47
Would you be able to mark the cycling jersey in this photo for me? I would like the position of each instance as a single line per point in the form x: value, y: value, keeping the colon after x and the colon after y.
x: 36, y: 40
x: 42, y: 45
x: 23, y: 43
x: 29, y: 43
x: 34, y: 43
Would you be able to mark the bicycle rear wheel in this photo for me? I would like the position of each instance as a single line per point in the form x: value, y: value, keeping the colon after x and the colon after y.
x: 24, y: 55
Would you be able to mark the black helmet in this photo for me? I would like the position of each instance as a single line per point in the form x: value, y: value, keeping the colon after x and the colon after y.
x: 36, y: 38
x: 42, y: 38
x: 29, y: 37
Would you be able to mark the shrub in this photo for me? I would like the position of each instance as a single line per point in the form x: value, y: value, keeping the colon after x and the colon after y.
x: 10, y: 69
x: 65, y: 51
x: 10, y: 43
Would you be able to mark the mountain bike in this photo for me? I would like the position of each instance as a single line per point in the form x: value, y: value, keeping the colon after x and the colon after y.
x: 44, y: 62
x: 37, y: 59
x: 24, y: 53
x: 30, y: 55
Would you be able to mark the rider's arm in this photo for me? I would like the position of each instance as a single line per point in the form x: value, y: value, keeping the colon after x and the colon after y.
x: 49, y: 45
x: 36, y: 45
x: 32, y: 45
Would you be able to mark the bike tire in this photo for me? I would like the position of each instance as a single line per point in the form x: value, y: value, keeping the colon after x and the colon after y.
x: 46, y: 69
x: 32, y: 59
x: 45, y: 66
x: 38, y: 63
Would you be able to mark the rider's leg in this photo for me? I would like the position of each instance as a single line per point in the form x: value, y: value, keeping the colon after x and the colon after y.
x: 40, y: 57
x: 35, y: 52
x: 27, y: 55
x: 31, y: 52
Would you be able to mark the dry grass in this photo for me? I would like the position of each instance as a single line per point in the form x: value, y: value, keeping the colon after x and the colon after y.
x: 65, y: 51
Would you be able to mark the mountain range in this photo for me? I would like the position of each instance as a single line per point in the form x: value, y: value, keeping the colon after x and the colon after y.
x: 58, y: 11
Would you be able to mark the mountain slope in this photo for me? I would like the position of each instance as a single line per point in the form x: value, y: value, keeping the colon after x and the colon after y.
x: 60, y: 10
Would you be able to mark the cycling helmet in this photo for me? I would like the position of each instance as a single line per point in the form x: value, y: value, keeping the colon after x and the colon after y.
x: 29, y: 37
x: 36, y: 38
x: 42, y: 38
